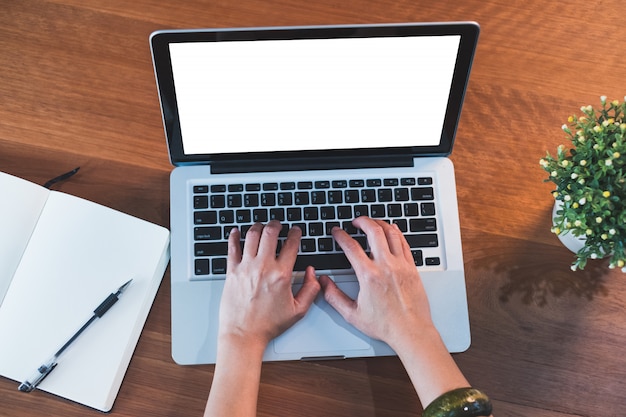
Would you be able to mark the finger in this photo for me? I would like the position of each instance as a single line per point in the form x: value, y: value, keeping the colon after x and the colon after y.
x: 269, y: 240
x: 253, y: 236
x: 344, y: 305
x: 376, y: 237
x: 234, y: 249
x: 289, y: 251
x: 406, y: 249
x: 306, y: 295
x: 395, y: 239
x: 352, y: 249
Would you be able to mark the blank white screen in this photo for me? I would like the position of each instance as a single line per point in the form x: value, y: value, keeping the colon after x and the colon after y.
x: 286, y: 95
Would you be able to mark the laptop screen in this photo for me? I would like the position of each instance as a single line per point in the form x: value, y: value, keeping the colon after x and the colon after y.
x: 261, y: 91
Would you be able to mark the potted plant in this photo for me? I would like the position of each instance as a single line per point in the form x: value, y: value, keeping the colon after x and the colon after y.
x: 590, y: 178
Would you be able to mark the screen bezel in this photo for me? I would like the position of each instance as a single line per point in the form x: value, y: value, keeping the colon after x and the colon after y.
x: 160, y: 41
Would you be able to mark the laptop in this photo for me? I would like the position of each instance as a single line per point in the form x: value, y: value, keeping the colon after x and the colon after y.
x: 312, y: 126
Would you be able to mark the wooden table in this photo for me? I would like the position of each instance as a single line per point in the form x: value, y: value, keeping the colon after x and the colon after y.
x: 77, y: 89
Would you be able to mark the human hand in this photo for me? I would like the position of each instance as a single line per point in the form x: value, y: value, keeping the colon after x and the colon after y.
x: 257, y: 302
x: 392, y: 303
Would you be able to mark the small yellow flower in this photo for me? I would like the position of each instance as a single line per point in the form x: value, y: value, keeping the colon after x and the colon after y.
x: 575, y: 205
x: 616, y: 155
x: 606, y: 194
x: 620, y: 263
x: 598, y: 220
x: 622, y: 126
x: 567, y: 198
x: 588, y: 232
x: 556, y: 231
x: 570, y: 119
x: 565, y: 163
x: 615, y: 103
x: 578, y: 223
x: 597, y: 129
x: 583, y: 163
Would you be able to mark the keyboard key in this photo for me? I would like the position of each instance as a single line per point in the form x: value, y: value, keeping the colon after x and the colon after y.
x: 294, y: 214
x: 329, y: 226
x: 335, y: 197
x: 407, y: 181
x: 318, y: 197
x: 402, y: 225
x: 253, y: 187
x: 361, y: 210
x: 428, y: 209
x: 226, y: 216
x: 200, y: 202
x: 202, y: 267
x: 243, y: 216
x: 322, y: 261
x: 301, y: 198
x: 277, y: 214
x: 322, y: 184
x: 207, y: 233
x: 218, y: 266
x: 340, y: 184
x: 401, y: 194
x: 251, y: 200
x: 349, y: 228
x: 327, y: 213
x: 423, y: 225
x: 211, y: 248
x: 205, y: 217
x: 422, y: 193
x: 325, y: 244
x: 305, y: 185
x: 411, y: 209
x: 200, y: 189
x: 344, y: 212
x: 270, y: 186
x: 356, y: 183
x: 425, y: 181
x: 377, y: 211
x: 368, y: 196
x: 235, y: 188
x: 417, y: 257
x: 316, y: 229
x: 218, y: 188
x: 218, y: 201
x: 390, y: 182
x: 428, y: 240
x: 285, y: 199
x: 259, y: 215
x: 394, y: 210
x: 373, y: 183
x: 268, y: 199
x: 311, y: 213
x: 307, y: 245
x: 433, y: 261
x: 287, y: 185
x: 234, y: 200
x: 385, y: 195
x: 351, y: 196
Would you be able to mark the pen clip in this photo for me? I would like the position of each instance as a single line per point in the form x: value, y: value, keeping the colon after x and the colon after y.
x: 42, y: 372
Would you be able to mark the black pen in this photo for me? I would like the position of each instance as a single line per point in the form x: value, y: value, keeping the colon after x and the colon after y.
x: 47, y: 367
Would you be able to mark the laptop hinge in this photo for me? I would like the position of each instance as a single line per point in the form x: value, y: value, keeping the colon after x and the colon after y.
x: 308, y: 164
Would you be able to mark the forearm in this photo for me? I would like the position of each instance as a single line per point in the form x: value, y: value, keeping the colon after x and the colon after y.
x: 235, y: 386
x: 429, y: 365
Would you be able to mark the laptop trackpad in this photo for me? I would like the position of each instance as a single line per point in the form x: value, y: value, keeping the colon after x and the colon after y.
x: 323, y: 331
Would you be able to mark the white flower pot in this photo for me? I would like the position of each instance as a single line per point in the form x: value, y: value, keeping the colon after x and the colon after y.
x: 571, y: 242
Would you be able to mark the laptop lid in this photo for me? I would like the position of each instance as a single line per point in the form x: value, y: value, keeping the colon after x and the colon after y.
x: 312, y: 97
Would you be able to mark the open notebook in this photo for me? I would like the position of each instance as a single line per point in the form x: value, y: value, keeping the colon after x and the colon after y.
x: 60, y: 256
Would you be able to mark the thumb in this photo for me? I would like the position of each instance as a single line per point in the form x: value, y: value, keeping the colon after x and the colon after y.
x: 310, y: 288
x: 344, y: 305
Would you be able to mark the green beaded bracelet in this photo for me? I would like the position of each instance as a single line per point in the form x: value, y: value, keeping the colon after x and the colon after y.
x: 461, y: 402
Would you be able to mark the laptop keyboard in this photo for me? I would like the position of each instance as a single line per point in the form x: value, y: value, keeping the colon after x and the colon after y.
x: 315, y: 207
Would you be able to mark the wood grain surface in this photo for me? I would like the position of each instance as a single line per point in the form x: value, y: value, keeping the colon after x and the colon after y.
x: 77, y: 89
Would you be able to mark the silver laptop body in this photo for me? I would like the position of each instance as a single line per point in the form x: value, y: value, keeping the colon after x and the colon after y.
x: 312, y: 126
